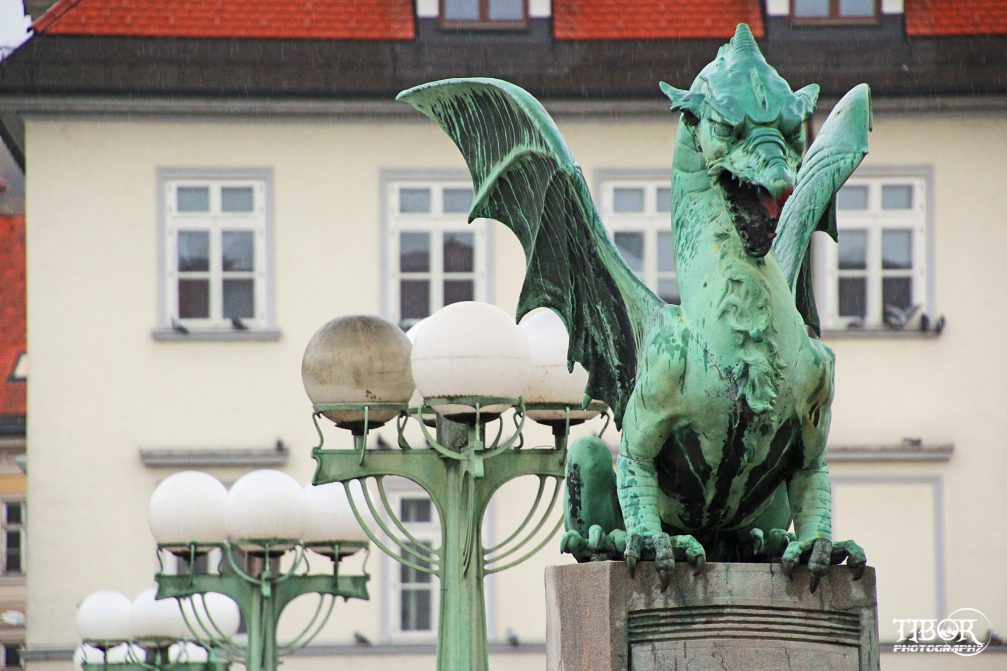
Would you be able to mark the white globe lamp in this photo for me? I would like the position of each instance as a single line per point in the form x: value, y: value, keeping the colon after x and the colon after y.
x: 331, y: 521
x: 156, y: 621
x: 467, y: 350
x: 103, y: 618
x: 188, y: 507
x: 552, y: 383
x: 266, y: 506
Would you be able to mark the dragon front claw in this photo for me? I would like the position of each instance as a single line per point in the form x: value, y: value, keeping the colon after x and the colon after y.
x: 665, y: 550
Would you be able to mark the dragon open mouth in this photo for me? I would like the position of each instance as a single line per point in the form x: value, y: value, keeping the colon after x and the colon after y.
x: 755, y: 213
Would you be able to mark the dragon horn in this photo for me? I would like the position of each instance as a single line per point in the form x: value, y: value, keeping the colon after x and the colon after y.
x: 743, y: 42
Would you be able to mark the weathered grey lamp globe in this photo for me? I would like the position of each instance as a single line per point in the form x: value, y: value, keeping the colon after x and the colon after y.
x: 266, y: 505
x: 551, y: 381
x: 470, y: 349
x: 359, y: 359
x: 104, y: 618
x: 188, y: 507
x: 156, y: 622
x: 330, y: 519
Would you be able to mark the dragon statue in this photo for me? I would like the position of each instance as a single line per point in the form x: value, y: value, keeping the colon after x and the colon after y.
x: 723, y: 401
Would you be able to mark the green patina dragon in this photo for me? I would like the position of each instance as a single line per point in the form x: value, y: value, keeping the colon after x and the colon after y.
x: 723, y: 401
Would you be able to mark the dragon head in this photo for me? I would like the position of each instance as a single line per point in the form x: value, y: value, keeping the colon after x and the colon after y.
x: 751, y: 130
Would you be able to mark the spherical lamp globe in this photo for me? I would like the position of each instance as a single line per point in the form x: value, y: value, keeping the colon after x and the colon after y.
x: 331, y: 521
x: 103, y: 618
x: 188, y: 507
x: 552, y: 383
x: 187, y: 651
x: 428, y: 417
x: 216, y: 615
x: 266, y: 508
x: 468, y: 350
x: 87, y: 654
x: 156, y: 621
x: 358, y: 359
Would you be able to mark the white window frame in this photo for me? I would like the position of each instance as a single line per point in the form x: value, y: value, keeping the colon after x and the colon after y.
x: 20, y: 529
x: 436, y: 223
x: 874, y: 221
x: 428, y: 532
x: 215, y: 222
x: 649, y: 222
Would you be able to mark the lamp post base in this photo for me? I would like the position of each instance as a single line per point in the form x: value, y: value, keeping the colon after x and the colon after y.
x: 731, y: 617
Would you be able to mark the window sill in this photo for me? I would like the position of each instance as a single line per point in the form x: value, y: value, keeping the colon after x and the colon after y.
x: 907, y: 450
x: 877, y: 333
x: 257, y: 335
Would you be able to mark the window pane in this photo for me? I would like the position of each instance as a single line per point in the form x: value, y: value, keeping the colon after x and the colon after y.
x: 414, y: 299
x: 456, y: 291
x: 414, y: 252
x: 664, y: 199
x: 11, y: 655
x: 414, y: 200
x: 459, y: 252
x: 193, y: 250
x: 457, y: 200
x: 665, y: 252
x: 12, y: 554
x: 630, y: 245
x: 811, y: 8
x: 627, y: 200
x: 667, y: 291
x: 897, y: 197
x: 416, y: 510
x: 239, y: 299
x: 193, y: 299
x: 415, y: 610
x: 856, y: 7
x: 852, y: 198
x: 896, y: 249
x: 461, y: 10
x: 238, y: 250
x: 14, y: 515
x: 852, y: 297
x: 853, y: 250
x: 192, y: 199
x: 237, y: 199
x: 506, y: 10
x: 897, y: 292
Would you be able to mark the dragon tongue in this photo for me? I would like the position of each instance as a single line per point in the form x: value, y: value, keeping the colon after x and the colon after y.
x: 770, y: 204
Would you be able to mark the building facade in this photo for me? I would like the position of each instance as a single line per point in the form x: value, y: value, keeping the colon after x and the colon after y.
x: 204, y: 190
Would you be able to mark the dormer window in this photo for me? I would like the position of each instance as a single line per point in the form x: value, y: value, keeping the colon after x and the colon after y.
x: 834, y: 11
x: 492, y: 14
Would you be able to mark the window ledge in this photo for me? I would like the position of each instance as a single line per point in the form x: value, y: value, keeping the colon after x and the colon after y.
x: 337, y: 650
x: 877, y: 333
x: 908, y: 450
x: 208, y: 457
x: 257, y: 335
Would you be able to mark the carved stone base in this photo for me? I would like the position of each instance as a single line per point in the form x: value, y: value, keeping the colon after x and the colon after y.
x: 733, y: 617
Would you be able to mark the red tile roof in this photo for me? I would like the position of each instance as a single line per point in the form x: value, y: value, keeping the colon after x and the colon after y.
x: 12, y: 312
x: 955, y: 17
x: 643, y: 19
x: 291, y: 19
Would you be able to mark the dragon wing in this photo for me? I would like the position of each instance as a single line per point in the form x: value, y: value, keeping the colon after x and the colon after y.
x: 837, y: 151
x: 525, y: 177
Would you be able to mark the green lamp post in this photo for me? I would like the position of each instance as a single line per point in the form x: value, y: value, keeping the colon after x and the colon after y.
x: 145, y: 634
x: 471, y: 364
x: 267, y: 521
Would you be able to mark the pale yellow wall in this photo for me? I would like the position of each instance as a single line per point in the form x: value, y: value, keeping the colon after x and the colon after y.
x: 101, y: 387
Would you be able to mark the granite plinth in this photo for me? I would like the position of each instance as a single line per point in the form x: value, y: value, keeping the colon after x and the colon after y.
x: 732, y: 617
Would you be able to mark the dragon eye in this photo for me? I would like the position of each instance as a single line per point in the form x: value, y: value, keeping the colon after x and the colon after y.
x: 722, y: 130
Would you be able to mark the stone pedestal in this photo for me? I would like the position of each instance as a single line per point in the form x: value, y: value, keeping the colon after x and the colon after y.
x: 732, y: 617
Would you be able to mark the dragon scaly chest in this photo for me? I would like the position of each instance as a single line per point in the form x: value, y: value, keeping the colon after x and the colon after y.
x: 718, y: 476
